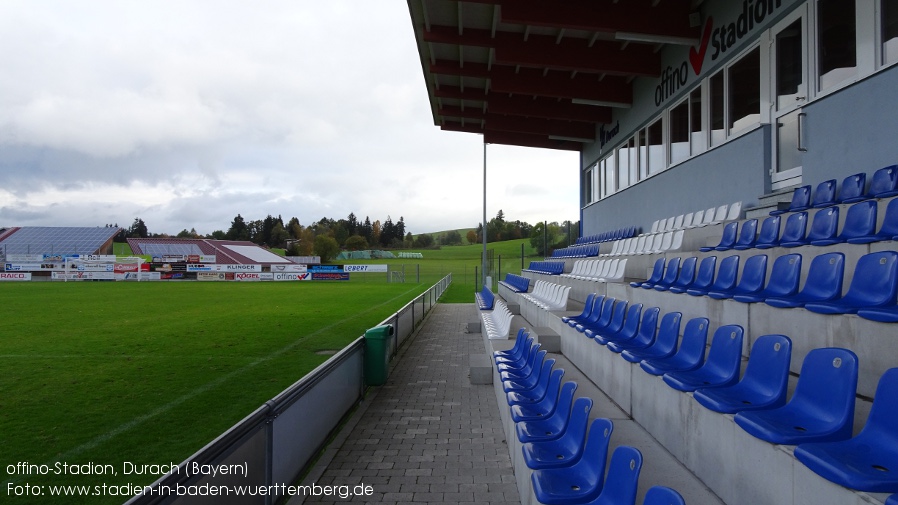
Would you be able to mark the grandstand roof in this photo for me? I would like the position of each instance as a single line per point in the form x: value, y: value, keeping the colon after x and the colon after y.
x: 56, y: 239
x: 227, y: 252
x: 541, y: 74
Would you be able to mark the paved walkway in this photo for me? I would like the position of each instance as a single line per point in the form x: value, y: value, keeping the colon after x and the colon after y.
x: 428, y: 435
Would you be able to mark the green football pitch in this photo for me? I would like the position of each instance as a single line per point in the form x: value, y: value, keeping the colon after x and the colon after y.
x: 147, y: 373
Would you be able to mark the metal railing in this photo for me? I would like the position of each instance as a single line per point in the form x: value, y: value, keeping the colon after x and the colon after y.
x: 267, y: 451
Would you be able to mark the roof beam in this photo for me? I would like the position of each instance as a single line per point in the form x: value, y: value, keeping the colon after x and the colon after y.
x: 540, y: 107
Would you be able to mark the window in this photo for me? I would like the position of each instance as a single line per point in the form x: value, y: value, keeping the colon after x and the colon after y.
x: 718, y: 134
x: 889, y: 14
x: 695, y: 119
x: 643, y: 154
x: 588, y: 195
x: 789, y: 65
x: 679, y: 132
x: 744, y: 93
x: 836, y: 42
x: 609, y: 184
x: 655, y: 142
x: 627, y: 165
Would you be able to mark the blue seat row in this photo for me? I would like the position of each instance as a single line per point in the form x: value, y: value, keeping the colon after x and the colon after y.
x: 577, y: 251
x: 516, y: 283
x: 859, y: 228
x: 546, y: 267
x: 819, y: 416
x: 568, y: 463
x: 485, y: 298
x: 608, y: 236
x: 883, y: 184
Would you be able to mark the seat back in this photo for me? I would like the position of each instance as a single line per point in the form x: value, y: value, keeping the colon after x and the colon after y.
x: 825, y: 194
x: 648, y: 325
x: 698, y: 217
x: 721, y: 213
x: 666, y: 241
x: 875, y: 280
x: 884, y: 182
x: 770, y: 232
x: 595, y: 451
x: 728, y: 237
x: 668, y: 333
x: 709, y: 216
x: 671, y: 272
x: 801, y: 199
x: 827, y: 387
x: 825, y: 224
x: 687, y: 272
x: 852, y: 189
x: 687, y: 219
x: 754, y: 274
x: 617, y: 322
x: 767, y: 371
x: 618, y: 313
x: 695, y: 339
x: 677, y: 241
x: 657, y: 271
x: 623, y: 477
x: 748, y: 234
x: 726, y: 274
x: 587, y: 306
x: 704, y: 277
x: 795, y: 228
x: 735, y: 211
x: 725, y: 355
x: 678, y: 222
x: 631, y: 323
x: 890, y: 220
x: 860, y: 220
x: 661, y: 495
x: 603, y: 315
x: 824, y: 281
x: 784, y: 275
x: 882, y: 422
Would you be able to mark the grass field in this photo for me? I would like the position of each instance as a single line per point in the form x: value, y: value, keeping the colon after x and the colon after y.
x: 150, y: 372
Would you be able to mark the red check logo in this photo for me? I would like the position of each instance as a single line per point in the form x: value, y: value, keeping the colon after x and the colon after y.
x: 697, y: 57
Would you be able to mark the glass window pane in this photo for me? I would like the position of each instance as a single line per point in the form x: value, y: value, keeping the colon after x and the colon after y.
x: 745, y: 91
x: 610, y: 168
x: 695, y: 118
x: 836, y: 44
x: 634, y: 164
x: 889, y: 31
x: 679, y: 132
x: 587, y: 187
x: 656, y: 146
x: 716, y: 108
x: 643, y: 154
x: 789, y: 64
x: 623, y: 167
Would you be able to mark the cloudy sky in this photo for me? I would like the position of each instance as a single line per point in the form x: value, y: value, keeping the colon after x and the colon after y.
x: 186, y: 113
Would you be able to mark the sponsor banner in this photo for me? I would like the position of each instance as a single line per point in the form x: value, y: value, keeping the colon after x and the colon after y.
x: 289, y: 268
x: 329, y: 276
x: 266, y: 276
x: 213, y: 276
x: 185, y: 258
x: 96, y: 267
x: 84, y: 276
x: 201, y: 267
x: 290, y: 276
x: 15, y: 276
x: 31, y: 267
x: 251, y: 277
x: 240, y: 268
x: 25, y: 258
x: 132, y: 276
x: 326, y: 268
x: 94, y: 257
x: 121, y: 268
x: 365, y: 268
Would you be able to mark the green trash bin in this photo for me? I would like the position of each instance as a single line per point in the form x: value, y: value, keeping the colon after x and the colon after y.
x: 378, y: 342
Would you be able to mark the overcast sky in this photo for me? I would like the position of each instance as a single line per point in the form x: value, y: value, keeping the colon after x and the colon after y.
x: 186, y: 113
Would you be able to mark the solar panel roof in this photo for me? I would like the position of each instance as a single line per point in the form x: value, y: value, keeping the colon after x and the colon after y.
x: 58, y: 240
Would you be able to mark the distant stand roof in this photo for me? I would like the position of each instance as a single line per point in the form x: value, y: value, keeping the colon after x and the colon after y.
x: 226, y: 252
x: 55, y: 239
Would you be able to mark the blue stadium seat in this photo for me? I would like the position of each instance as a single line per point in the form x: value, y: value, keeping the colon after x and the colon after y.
x: 869, y: 461
x: 529, y: 376
x: 565, y: 450
x: 801, y: 200
x: 688, y: 357
x: 582, y: 481
x: 725, y: 280
x: 594, y: 312
x: 887, y: 314
x: 545, y: 408
x: 860, y: 221
x: 668, y: 331
x: 657, y: 273
x: 598, y: 318
x: 685, y: 277
x: 614, y: 324
x: 552, y: 427
x: 892, y: 500
x: 769, y: 236
x: 520, y: 346
x: 622, y: 480
x: 794, y: 230
x: 852, y: 189
x: 884, y: 183
x: 824, y: 282
x: 627, y: 334
x: 587, y: 310
x: 754, y: 273
x: 704, y: 278
x: 721, y: 368
x: 764, y: 384
x: 665, y: 343
x: 546, y: 387
x: 824, y: 227
x: 822, y: 407
x: 626, y: 331
x: 825, y: 194
x: 727, y: 238
x: 874, y: 284
x: 888, y: 230
x: 518, y: 360
x: 747, y: 235
x: 485, y: 299
x: 784, y: 277
x: 661, y: 495
x: 670, y: 275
